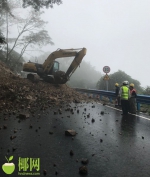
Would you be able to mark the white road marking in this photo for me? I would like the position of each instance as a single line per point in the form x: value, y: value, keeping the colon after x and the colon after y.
x: 129, y: 113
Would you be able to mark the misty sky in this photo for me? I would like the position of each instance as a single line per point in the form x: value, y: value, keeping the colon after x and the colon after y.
x: 115, y: 32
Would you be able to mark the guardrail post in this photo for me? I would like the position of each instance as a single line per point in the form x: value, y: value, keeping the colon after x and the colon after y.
x: 138, y: 106
x: 110, y: 99
x: 100, y: 97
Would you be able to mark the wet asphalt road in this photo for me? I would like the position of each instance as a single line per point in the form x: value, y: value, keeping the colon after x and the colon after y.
x: 123, y: 152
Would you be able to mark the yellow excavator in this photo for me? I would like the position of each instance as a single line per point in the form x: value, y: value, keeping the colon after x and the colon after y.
x: 49, y: 70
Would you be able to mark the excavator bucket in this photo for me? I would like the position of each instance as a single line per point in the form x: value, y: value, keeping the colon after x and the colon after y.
x: 75, y: 63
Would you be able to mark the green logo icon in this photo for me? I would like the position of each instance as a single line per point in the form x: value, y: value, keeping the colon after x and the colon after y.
x: 8, y: 168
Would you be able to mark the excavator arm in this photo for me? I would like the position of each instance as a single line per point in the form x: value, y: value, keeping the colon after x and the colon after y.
x: 59, y: 77
x: 62, y: 53
x: 75, y: 63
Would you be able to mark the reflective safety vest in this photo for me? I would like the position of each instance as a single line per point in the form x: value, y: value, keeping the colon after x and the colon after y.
x: 125, y: 93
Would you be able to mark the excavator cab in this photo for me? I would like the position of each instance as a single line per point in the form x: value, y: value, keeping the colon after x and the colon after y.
x: 55, y: 67
x: 50, y: 76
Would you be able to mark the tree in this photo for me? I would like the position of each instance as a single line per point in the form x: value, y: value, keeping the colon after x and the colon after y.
x: 4, y: 8
x: 2, y: 38
x: 38, y: 4
x: 16, y: 63
x: 147, y: 91
x: 30, y: 33
x: 118, y: 77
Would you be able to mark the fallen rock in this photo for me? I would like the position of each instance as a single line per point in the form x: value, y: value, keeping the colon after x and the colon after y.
x: 50, y: 133
x: 12, y: 137
x: 93, y: 120
x: 83, y: 170
x: 70, y: 133
x: 13, y: 149
x: 84, y: 161
x: 23, y: 116
x: 44, y: 172
x: 102, y: 112
x: 30, y: 126
x: 15, y: 131
x: 71, y: 153
x: 4, y: 126
x: 88, y: 115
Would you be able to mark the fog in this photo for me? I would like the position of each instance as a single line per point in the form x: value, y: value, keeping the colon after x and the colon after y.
x: 85, y: 76
x: 116, y: 33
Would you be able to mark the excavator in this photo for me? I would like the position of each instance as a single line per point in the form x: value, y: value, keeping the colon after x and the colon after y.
x: 49, y: 70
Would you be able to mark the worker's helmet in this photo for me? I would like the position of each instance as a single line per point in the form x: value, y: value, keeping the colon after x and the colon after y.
x: 125, y: 83
x: 116, y: 84
x: 131, y: 85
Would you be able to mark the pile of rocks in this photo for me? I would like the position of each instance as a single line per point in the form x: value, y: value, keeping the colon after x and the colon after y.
x: 20, y: 93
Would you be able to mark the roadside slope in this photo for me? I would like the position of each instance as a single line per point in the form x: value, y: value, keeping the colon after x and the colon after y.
x: 20, y: 93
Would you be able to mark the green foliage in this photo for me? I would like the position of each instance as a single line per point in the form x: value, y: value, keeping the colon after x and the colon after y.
x: 147, y: 91
x: 40, y: 38
x: 15, y: 64
x: 118, y: 77
x: 38, y: 4
x: 4, y: 7
x: 2, y: 39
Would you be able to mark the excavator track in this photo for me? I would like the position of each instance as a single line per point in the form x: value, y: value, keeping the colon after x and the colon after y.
x: 33, y: 78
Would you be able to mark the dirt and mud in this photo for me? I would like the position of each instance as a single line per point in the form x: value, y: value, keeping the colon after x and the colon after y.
x: 19, y: 93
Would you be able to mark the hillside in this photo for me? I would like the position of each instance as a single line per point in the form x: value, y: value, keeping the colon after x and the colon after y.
x: 21, y: 94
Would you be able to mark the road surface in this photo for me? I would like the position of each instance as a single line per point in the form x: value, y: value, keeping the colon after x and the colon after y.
x: 115, y: 146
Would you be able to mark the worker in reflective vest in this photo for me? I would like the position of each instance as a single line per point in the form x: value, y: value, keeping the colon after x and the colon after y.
x: 125, y: 95
x: 132, y: 100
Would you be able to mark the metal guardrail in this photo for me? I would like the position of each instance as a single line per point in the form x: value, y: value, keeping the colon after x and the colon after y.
x: 140, y: 99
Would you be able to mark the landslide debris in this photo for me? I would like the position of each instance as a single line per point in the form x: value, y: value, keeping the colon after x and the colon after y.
x: 19, y: 93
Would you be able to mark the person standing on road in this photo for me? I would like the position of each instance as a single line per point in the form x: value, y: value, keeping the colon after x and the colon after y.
x: 132, y: 100
x: 117, y: 94
x: 125, y: 95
